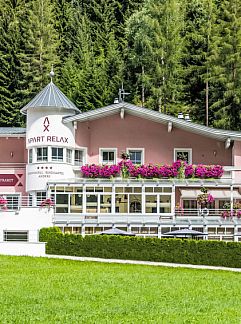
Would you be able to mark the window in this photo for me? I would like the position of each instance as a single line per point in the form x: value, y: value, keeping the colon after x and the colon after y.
x: 42, y: 154
x: 91, y: 203
x: 108, y: 156
x: 15, y: 236
x: 76, y: 203
x: 105, y: 203
x: 165, y: 204
x: 69, y: 156
x: 30, y: 156
x: 62, y: 203
x: 190, y: 204
x: 57, y: 154
x: 13, y: 201
x: 78, y: 157
x: 151, y: 204
x: 136, y: 155
x: 183, y: 155
x: 40, y: 196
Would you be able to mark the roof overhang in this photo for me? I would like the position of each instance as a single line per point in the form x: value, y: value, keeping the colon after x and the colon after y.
x: 12, y: 132
x: 217, y: 194
x: 155, y: 116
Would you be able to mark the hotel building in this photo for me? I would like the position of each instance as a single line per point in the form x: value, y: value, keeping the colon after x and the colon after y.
x: 45, y: 158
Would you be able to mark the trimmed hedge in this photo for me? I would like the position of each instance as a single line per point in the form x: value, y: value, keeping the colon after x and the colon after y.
x: 215, y: 253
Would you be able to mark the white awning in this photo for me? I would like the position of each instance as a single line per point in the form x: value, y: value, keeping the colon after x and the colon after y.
x: 217, y: 194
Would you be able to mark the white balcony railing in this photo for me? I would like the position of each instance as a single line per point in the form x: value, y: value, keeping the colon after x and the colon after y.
x: 187, y: 212
x: 16, y: 202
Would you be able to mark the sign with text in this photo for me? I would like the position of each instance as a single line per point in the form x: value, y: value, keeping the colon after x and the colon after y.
x: 8, y: 180
x: 48, y: 139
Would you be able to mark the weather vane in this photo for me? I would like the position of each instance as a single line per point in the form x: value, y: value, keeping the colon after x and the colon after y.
x: 122, y: 93
x: 51, y: 74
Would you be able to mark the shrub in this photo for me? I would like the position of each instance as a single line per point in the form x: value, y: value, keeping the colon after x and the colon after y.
x: 45, y: 234
x: 215, y: 253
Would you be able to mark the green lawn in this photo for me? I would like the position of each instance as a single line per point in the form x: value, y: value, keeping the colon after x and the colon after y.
x: 37, y: 290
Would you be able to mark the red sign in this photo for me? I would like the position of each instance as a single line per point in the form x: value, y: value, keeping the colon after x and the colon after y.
x: 8, y: 180
x: 46, y: 124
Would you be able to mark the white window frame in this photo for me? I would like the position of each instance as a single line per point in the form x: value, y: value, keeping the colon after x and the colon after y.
x: 84, y: 150
x: 30, y: 155
x: 108, y: 149
x: 40, y: 196
x: 141, y: 149
x: 57, y: 156
x: 189, y: 150
x: 69, y: 161
x: 42, y: 147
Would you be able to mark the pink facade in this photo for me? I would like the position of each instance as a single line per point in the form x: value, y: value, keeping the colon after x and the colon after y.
x: 158, y: 143
x: 13, y: 150
x: 13, y: 165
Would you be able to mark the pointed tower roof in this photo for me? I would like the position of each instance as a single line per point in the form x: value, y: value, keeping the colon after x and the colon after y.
x: 50, y: 96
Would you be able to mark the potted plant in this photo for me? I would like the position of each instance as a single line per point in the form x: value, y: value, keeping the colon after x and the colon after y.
x: 125, y: 156
x: 47, y: 203
x: 204, y: 199
x: 228, y: 213
x: 3, y: 203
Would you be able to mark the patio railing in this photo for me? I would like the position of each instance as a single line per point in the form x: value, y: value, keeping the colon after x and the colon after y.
x: 187, y: 212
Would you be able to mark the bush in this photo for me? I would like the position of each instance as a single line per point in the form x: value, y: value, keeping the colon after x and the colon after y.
x: 45, y: 234
x: 215, y: 253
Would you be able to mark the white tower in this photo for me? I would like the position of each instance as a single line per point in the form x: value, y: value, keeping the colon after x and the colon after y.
x: 49, y: 142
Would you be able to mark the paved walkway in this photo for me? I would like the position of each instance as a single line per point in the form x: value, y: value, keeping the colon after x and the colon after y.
x: 149, y: 263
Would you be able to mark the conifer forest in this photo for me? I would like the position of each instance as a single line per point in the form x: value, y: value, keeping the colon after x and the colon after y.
x: 171, y: 55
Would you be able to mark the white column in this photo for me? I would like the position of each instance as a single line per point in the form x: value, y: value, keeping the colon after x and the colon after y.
x: 235, y: 232
x: 205, y: 231
x: 83, y: 230
x: 84, y: 199
x: 143, y: 202
x: 1, y: 235
x: 159, y: 232
x: 231, y: 198
x: 173, y: 202
x: 112, y: 199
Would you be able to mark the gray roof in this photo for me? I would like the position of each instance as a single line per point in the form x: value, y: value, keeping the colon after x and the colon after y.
x: 50, y: 96
x: 158, y: 117
x: 12, y: 131
x: 184, y: 232
x: 116, y: 231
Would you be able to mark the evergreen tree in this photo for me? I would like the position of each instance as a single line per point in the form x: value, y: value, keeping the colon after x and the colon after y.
x: 92, y: 73
x: 160, y: 51
x: 9, y: 72
x: 200, y: 18
x: 226, y: 66
x: 39, y: 45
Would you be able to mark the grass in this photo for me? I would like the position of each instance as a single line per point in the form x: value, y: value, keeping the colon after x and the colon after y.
x: 38, y: 290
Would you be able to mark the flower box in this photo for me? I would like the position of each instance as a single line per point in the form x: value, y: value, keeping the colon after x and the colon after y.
x: 178, y: 170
